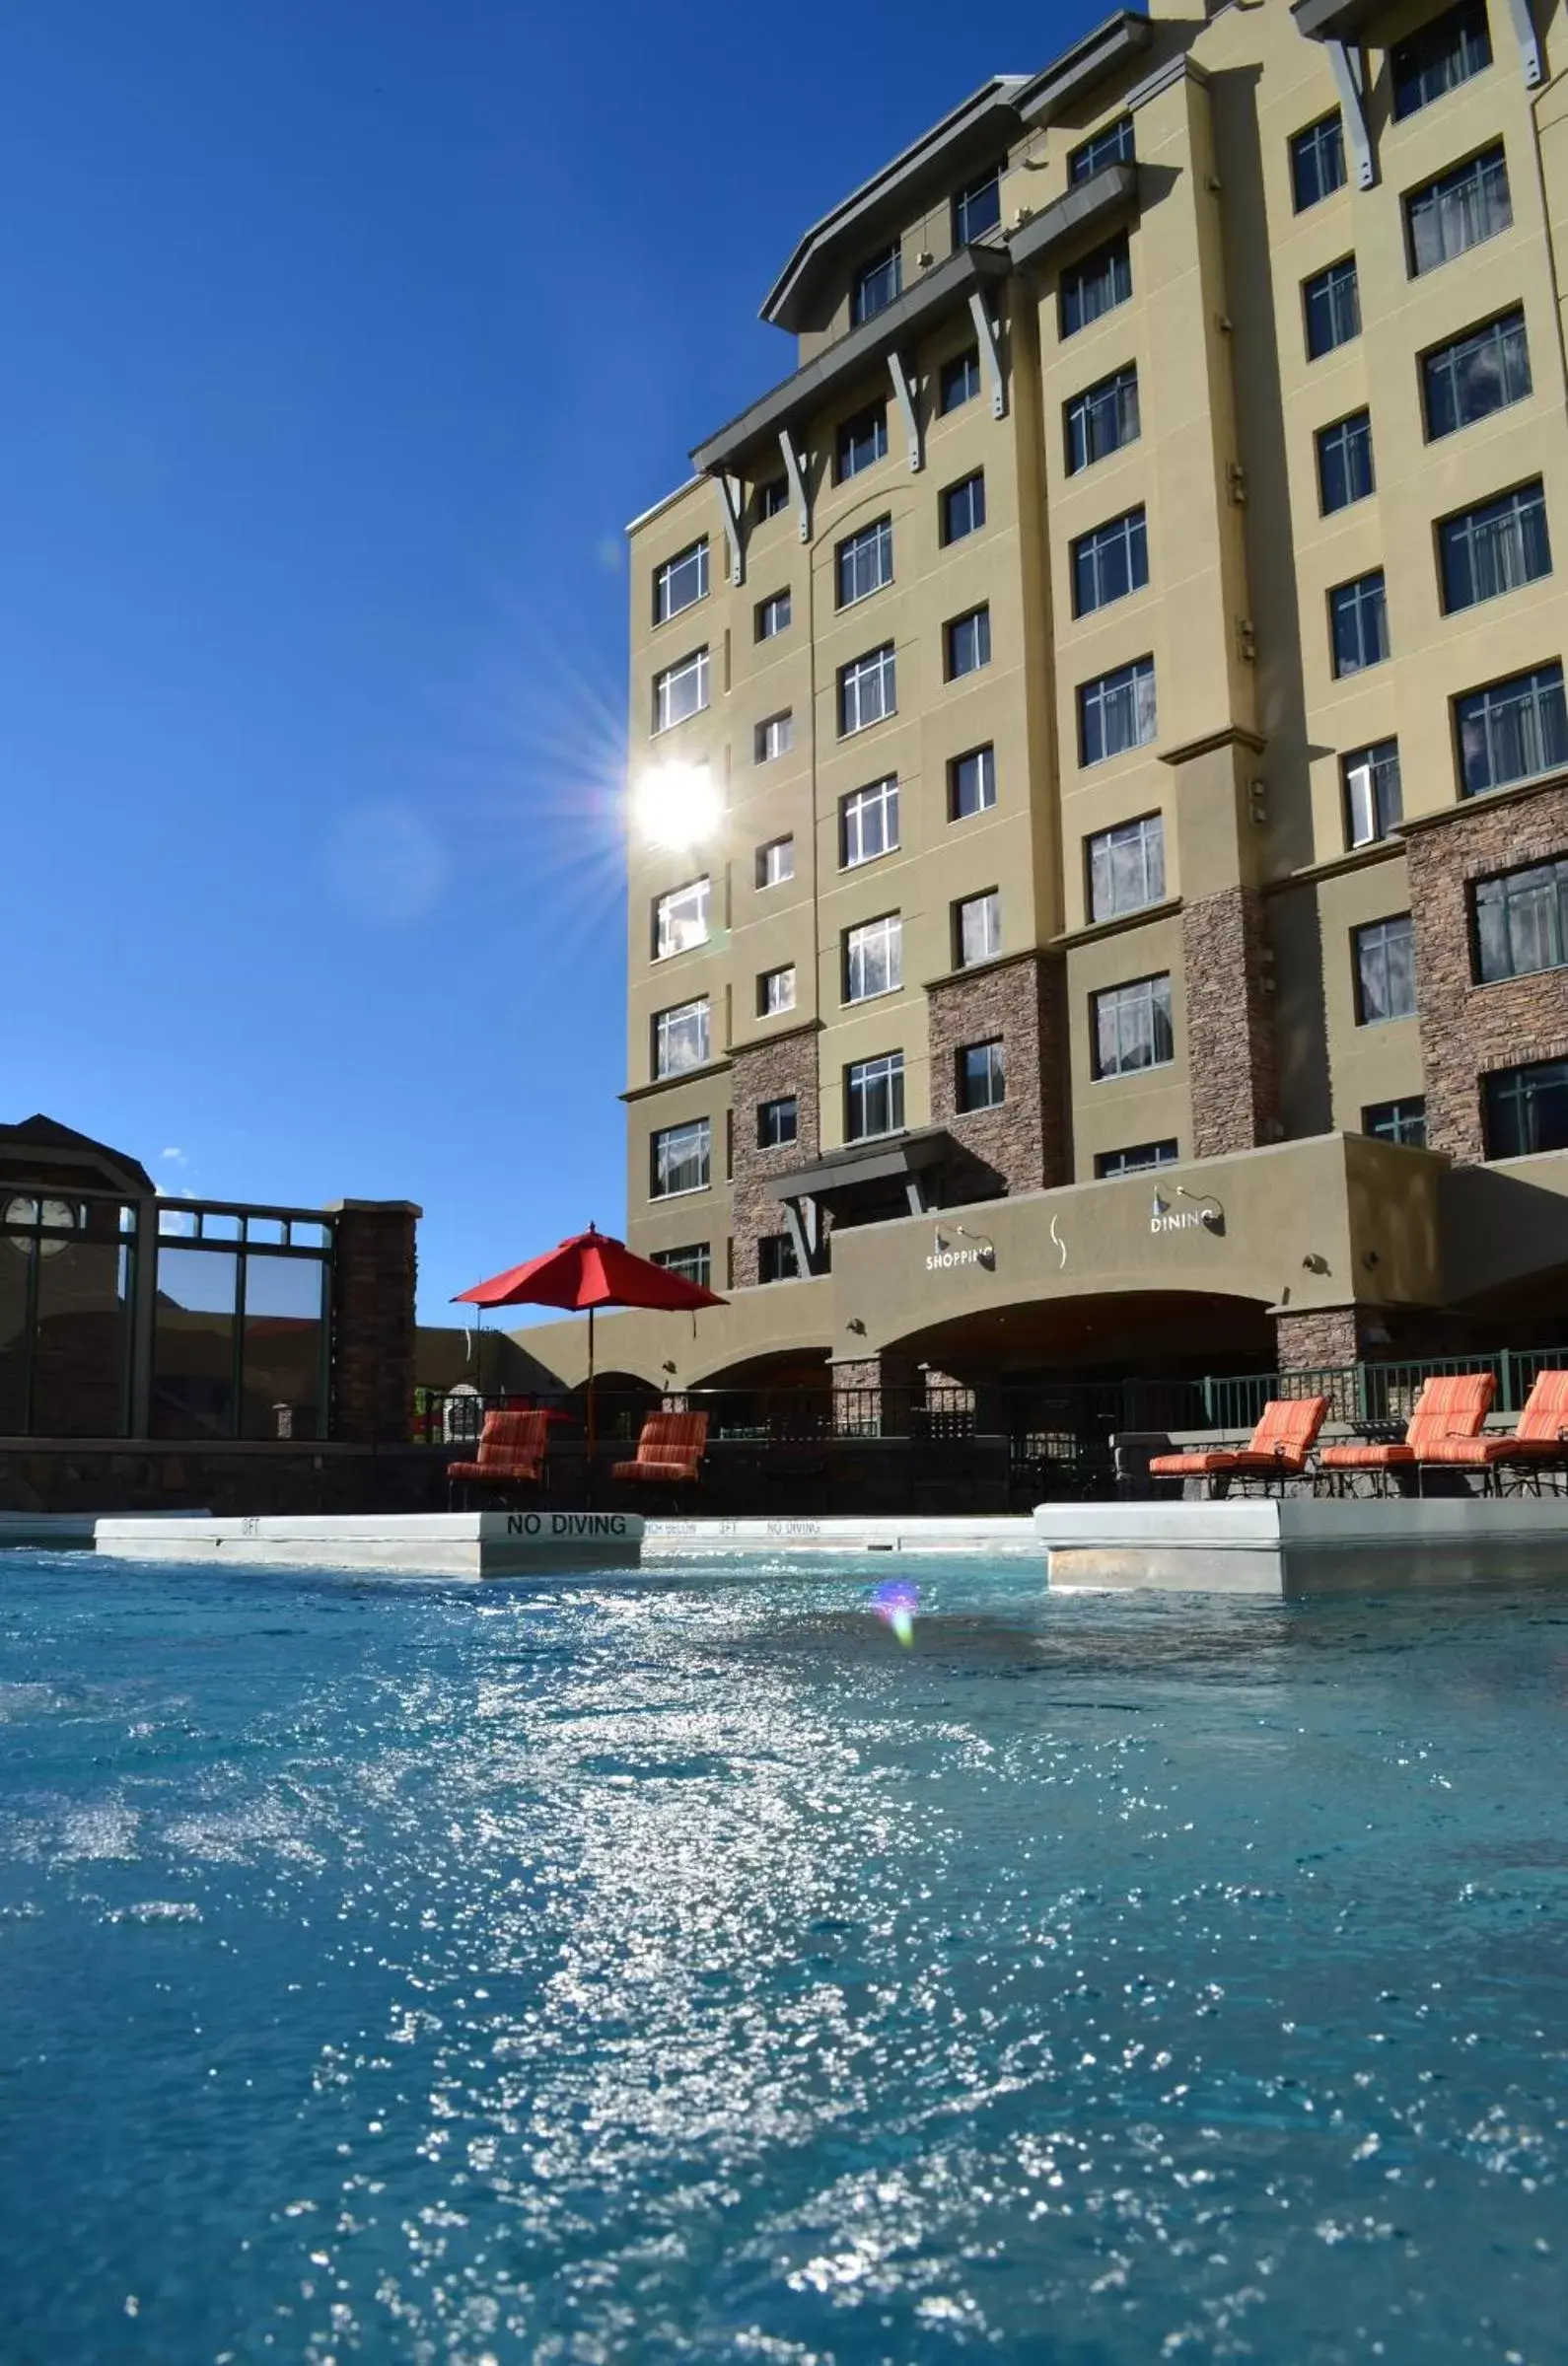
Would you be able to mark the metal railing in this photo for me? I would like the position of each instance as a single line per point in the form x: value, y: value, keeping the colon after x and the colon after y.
x: 1041, y: 1420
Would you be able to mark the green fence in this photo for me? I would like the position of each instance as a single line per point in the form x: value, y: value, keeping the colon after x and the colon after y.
x: 1363, y: 1395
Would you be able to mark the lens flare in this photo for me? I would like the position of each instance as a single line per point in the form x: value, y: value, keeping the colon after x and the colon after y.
x: 896, y: 1602
x: 676, y: 805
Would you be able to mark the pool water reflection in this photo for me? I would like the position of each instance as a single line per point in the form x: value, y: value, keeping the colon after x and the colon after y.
x: 399, y: 1971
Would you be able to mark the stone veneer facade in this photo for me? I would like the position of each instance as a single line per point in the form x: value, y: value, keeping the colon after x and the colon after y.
x: 1233, y: 1060
x: 1318, y: 1338
x: 782, y: 1065
x: 1020, y: 1001
x: 373, y: 1336
x: 1468, y: 1029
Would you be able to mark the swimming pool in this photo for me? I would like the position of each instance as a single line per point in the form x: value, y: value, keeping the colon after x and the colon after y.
x: 390, y: 1972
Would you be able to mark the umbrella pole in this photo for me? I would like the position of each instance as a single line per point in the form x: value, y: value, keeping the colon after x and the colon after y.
x: 589, y: 1504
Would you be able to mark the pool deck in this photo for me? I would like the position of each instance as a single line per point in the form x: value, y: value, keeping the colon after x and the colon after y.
x: 1266, y: 1546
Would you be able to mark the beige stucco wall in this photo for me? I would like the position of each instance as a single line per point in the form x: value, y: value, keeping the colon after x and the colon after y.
x: 1235, y: 614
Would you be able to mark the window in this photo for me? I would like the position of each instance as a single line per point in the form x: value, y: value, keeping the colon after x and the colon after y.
x: 775, y: 736
x: 971, y: 783
x: 1374, y: 803
x: 1527, y: 1108
x: 1476, y: 374
x: 1344, y: 463
x: 1521, y: 922
x: 680, y: 919
x: 873, y: 958
x: 1384, y: 957
x: 1102, y: 419
x: 778, y: 1123
x: 968, y: 643
x: 1132, y: 1027
x: 1137, y: 1159
x: 868, y: 690
x: 1117, y: 712
x: 874, y: 1097
x: 960, y: 379
x: 775, y: 862
x: 1317, y: 160
x: 868, y: 823
x: 976, y: 209
x: 1332, y: 301
x: 981, y: 1081
x: 876, y: 286
x: 775, y: 1257
x: 681, y: 581
x: 1495, y: 548
x: 864, y: 562
x: 1458, y: 211
x: 1397, y: 1122
x: 775, y: 991
x: 680, y: 690
x: 680, y: 1038
x: 692, y: 1265
x: 772, y: 615
x: 1126, y: 868
x: 862, y: 441
x: 1512, y: 730
x: 1440, y: 56
x: 976, y: 929
x: 772, y: 495
x: 1095, y: 286
x: 1110, y: 562
x: 1114, y: 146
x: 963, y: 507
x: 1359, y: 622
x: 681, y: 1159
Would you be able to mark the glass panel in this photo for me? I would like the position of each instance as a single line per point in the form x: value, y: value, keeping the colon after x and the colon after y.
x: 281, y: 1383
x: 192, y: 1394
x: 82, y: 1334
x: 16, y: 1264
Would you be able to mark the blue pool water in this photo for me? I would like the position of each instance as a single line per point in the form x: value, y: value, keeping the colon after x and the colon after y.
x: 436, y: 1973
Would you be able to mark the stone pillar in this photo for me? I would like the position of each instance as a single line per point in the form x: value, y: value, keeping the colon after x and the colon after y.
x: 374, y: 1268
x: 1233, y: 1061
x: 1318, y: 1338
x: 781, y: 1067
x: 1467, y: 1029
x: 870, y: 1395
x: 1021, y: 1001
x: 1232, y: 1057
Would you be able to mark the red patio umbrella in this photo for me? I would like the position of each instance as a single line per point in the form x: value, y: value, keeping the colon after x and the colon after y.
x: 590, y: 1270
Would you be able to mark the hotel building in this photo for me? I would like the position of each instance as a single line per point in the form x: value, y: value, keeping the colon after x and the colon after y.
x: 1098, y: 862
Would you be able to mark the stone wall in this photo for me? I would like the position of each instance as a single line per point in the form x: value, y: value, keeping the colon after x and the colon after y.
x: 1232, y: 1054
x: 1024, y: 1140
x: 784, y: 1064
x: 374, y: 1334
x: 1468, y: 1029
x: 1318, y: 1338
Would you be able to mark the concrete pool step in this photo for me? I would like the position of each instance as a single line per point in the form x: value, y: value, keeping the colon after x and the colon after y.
x: 1303, y: 1543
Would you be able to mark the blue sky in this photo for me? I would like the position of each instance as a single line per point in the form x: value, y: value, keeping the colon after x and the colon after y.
x: 343, y: 341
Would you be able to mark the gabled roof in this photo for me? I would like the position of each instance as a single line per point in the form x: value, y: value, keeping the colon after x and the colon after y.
x: 974, y: 135
x: 50, y: 1144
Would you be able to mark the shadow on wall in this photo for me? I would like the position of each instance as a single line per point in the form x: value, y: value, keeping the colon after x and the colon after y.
x: 1305, y: 1098
x: 487, y: 1360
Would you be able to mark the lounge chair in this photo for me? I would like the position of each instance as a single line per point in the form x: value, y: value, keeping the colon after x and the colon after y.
x: 1277, y: 1449
x: 1446, y: 1412
x: 1538, y: 1442
x: 511, y: 1454
x: 670, y: 1450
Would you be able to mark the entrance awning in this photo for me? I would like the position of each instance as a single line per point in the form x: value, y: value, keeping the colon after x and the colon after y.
x: 868, y: 1180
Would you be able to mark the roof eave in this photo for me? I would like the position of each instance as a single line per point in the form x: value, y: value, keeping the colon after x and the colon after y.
x: 990, y: 109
